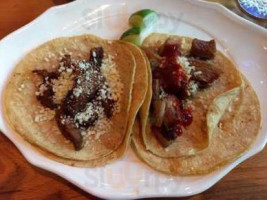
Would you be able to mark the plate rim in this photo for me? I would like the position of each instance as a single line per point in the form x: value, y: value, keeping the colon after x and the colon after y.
x: 249, y: 153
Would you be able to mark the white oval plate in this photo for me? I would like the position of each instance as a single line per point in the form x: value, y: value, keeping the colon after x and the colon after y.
x: 242, y: 41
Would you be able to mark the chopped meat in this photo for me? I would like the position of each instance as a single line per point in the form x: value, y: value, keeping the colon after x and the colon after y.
x: 96, y: 57
x: 162, y: 138
x: 203, y: 49
x: 171, y: 133
x: 69, y: 130
x: 66, y: 60
x: 156, y: 88
x: 46, y: 98
x: 44, y: 73
x: 158, y: 111
x: 73, y: 104
x: 175, y: 116
x: 87, y: 89
x: 85, y: 102
x: 172, y: 110
x: 204, y: 73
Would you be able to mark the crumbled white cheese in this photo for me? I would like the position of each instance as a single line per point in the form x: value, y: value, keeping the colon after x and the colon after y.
x: 61, y: 69
x: 65, y: 50
x: 77, y: 91
x: 185, y: 65
x: 94, y: 54
x: 44, y: 114
x: 69, y: 70
x: 63, y: 121
x: 102, y: 94
x: 51, y: 55
x: 84, y: 65
x: 109, y: 70
x: 192, y: 88
x: 22, y: 86
x: 102, y: 126
x: 91, y: 109
x: 42, y: 88
x: 197, y: 73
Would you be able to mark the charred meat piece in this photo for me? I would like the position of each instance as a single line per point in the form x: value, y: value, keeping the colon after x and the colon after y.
x: 165, y: 141
x: 158, y: 92
x: 69, y: 130
x: 173, y: 132
x: 66, y: 60
x: 159, y: 106
x: 46, y: 98
x: 46, y: 75
x: 84, y: 92
x: 174, y: 118
x: 203, y: 49
x: 96, y: 57
x: 85, y: 102
x: 72, y: 104
x: 172, y: 110
x: 166, y: 136
x: 204, y: 73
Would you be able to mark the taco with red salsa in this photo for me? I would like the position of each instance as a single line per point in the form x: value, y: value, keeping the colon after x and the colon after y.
x: 198, y: 104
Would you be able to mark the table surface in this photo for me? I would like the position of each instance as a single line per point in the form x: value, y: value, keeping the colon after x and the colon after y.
x: 20, y: 180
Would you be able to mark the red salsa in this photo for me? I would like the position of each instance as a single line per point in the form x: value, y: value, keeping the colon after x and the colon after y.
x: 173, y: 83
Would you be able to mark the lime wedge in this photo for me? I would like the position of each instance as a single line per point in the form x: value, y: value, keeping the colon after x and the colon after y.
x: 143, y: 18
x: 132, y: 35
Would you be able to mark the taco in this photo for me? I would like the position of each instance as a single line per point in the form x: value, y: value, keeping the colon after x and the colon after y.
x: 193, y: 87
x: 234, y: 136
x: 138, y: 94
x: 71, y: 97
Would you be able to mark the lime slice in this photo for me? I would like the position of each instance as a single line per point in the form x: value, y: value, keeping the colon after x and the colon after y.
x: 135, y: 39
x: 132, y: 35
x: 143, y: 18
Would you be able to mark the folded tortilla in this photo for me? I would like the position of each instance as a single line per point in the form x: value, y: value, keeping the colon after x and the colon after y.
x: 138, y: 97
x: 21, y: 105
x: 237, y: 132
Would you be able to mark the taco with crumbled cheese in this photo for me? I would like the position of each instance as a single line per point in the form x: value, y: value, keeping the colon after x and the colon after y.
x: 138, y: 97
x: 72, y: 97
